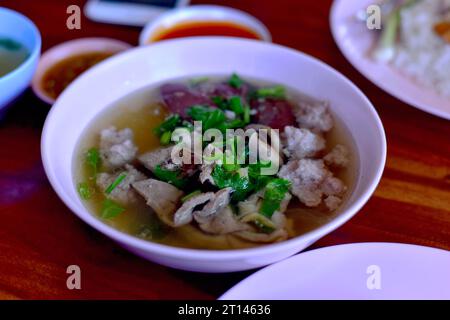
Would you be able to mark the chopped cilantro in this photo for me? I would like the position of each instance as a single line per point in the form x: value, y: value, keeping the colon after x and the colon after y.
x: 93, y: 160
x: 168, y: 125
x: 276, y: 92
x: 115, y: 183
x: 235, y: 81
x: 274, y: 194
x: 84, y: 190
x: 169, y: 176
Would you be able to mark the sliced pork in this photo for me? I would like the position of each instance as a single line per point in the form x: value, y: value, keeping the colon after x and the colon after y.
x: 223, y: 222
x: 152, y: 159
x: 184, y: 214
x: 162, y: 197
x: 123, y: 193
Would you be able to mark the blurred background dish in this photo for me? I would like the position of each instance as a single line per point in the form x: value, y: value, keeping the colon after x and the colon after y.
x: 60, y: 65
x: 129, y: 12
x: 405, y: 70
x: 20, y: 46
x: 204, y: 20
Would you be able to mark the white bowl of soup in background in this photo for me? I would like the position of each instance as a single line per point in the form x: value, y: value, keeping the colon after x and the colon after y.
x: 142, y: 67
x: 22, y: 31
x: 204, y: 14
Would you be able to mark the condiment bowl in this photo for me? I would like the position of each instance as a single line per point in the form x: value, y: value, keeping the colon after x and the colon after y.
x: 69, y: 49
x: 138, y: 68
x: 21, y: 29
x: 202, y: 13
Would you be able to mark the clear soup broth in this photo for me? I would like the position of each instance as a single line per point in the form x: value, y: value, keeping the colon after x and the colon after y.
x: 142, y: 111
x: 12, y: 55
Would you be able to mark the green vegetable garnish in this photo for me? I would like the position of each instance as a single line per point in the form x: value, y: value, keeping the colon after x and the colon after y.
x: 93, y: 160
x: 263, y: 223
x: 263, y: 227
x: 236, y: 105
x: 221, y: 102
x: 168, y: 125
x: 210, y: 118
x: 84, y: 190
x: 190, y: 195
x: 111, y: 209
x: 275, y: 192
x: 229, y: 179
x: 235, y: 81
x: 115, y: 183
x: 276, y: 92
x: 234, y: 124
x: 246, y: 116
x: 169, y: 176
x: 186, y: 124
x: 165, y: 138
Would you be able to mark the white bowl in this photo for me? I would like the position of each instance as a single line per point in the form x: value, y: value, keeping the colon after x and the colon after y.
x: 18, y: 27
x: 69, y: 49
x: 203, y: 13
x: 127, y: 72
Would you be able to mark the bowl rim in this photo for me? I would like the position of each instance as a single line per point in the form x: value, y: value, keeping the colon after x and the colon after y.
x: 80, y: 45
x: 206, y: 254
x: 36, y: 50
x: 252, y: 22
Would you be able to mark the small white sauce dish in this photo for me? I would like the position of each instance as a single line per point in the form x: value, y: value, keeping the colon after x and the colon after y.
x: 119, y: 76
x: 67, y: 50
x: 199, y: 13
x: 21, y: 29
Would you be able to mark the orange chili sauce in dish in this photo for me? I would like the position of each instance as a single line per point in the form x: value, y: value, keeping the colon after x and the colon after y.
x: 204, y: 28
x: 59, y: 76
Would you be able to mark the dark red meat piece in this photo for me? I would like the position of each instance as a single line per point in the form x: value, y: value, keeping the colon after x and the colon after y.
x: 227, y: 91
x: 274, y: 113
x: 179, y: 98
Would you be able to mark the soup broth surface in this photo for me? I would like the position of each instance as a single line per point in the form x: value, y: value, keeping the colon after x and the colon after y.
x: 12, y: 55
x: 142, y: 111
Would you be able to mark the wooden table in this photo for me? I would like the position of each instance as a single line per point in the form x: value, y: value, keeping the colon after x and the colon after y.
x: 40, y: 237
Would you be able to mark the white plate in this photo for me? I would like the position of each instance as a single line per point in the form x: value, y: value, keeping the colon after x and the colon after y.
x: 354, y: 40
x: 352, y: 272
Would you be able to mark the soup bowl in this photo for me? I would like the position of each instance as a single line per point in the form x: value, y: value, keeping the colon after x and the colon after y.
x: 138, y: 68
x: 21, y: 29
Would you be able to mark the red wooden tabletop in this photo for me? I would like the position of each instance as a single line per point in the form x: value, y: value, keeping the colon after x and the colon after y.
x: 40, y: 237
